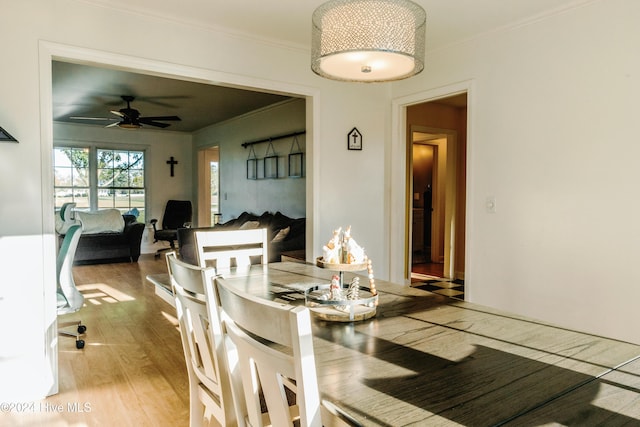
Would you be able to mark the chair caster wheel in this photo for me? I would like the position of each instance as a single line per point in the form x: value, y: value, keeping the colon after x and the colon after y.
x: 82, y: 329
x: 80, y: 344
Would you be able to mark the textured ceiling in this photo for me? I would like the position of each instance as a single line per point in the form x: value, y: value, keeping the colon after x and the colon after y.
x: 92, y: 92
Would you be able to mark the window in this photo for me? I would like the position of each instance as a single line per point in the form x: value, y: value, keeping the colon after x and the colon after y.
x: 71, y: 181
x: 97, y: 178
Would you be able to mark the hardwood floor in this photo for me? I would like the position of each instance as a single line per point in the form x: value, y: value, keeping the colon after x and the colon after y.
x: 428, y: 268
x: 132, y: 370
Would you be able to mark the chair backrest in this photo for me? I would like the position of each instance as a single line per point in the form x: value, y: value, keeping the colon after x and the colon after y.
x: 261, y: 364
x: 176, y: 214
x: 224, y: 245
x: 67, y: 211
x: 201, y: 333
x: 66, y: 287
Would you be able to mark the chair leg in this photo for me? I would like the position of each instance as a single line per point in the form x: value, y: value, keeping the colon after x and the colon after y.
x: 79, y: 332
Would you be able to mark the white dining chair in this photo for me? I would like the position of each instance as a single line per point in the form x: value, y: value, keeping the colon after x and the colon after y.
x: 219, y: 248
x: 200, y: 329
x: 273, y: 346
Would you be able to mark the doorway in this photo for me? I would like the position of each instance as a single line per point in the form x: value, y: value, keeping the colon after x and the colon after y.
x: 208, y: 186
x: 427, y: 237
x: 50, y: 52
x: 436, y: 164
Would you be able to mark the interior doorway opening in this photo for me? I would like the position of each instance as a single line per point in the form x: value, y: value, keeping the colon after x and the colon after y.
x: 436, y: 176
x: 50, y: 52
x: 208, y: 186
x: 427, y: 241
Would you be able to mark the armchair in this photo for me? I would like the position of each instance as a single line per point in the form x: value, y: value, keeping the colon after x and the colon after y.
x: 177, y: 214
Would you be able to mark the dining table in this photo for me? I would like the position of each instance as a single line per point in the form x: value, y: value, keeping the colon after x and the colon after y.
x: 425, y: 359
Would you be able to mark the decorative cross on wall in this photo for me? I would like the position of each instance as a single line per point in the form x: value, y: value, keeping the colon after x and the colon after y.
x: 354, y: 140
x: 172, y: 162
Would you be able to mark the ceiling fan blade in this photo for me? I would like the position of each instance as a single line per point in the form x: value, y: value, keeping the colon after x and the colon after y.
x: 112, y: 125
x: 152, y: 123
x: 92, y: 118
x: 163, y: 118
x: 118, y: 113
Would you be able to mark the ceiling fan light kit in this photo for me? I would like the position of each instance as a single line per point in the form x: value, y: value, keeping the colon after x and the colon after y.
x: 368, y: 40
x: 128, y: 125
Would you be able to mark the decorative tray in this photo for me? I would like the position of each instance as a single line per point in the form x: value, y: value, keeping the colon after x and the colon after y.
x: 347, y: 310
x: 340, y: 267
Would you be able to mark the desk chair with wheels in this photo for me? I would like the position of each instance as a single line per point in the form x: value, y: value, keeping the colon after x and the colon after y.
x: 177, y: 214
x: 69, y: 299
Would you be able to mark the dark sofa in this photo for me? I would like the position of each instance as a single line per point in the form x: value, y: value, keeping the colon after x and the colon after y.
x: 110, y: 247
x: 294, y: 240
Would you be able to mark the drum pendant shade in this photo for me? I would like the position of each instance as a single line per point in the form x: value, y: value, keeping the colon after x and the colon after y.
x: 368, y: 40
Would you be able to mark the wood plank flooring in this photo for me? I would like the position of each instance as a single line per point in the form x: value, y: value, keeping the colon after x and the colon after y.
x: 132, y: 370
x: 428, y: 268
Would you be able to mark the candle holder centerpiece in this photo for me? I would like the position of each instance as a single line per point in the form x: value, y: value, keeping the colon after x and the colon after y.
x: 340, y: 301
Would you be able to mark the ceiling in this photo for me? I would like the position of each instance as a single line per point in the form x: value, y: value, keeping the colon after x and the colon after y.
x: 92, y: 92
x: 85, y: 91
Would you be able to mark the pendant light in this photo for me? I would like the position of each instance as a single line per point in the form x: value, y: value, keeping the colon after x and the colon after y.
x: 368, y: 40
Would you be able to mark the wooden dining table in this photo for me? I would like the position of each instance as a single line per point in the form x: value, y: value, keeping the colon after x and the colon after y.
x: 428, y: 360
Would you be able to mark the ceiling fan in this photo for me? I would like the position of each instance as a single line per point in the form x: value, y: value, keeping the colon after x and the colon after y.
x: 130, y: 118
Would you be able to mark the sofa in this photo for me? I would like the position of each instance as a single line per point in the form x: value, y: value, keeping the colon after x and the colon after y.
x: 107, y: 236
x: 283, y: 233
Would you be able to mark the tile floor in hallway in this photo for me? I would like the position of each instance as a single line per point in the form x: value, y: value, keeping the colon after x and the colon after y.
x: 441, y: 286
x: 428, y: 276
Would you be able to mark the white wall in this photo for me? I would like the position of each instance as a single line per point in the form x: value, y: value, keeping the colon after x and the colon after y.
x: 351, y: 185
x: 237, y: 193
x: 553, y: 136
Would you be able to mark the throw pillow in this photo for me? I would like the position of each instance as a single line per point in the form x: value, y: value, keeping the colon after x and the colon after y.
x: 250, y: 225
x: 280, y: 221
x: 280, y: 235
x: 104, y: 221
x: 246, y: 216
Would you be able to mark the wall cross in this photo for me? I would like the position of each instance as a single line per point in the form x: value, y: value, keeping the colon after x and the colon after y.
x: 172, y: 162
